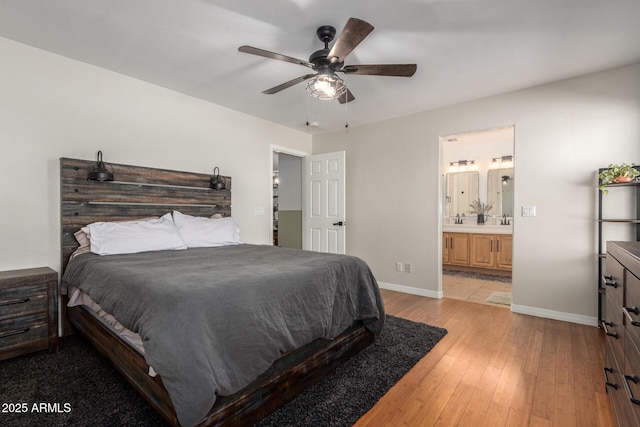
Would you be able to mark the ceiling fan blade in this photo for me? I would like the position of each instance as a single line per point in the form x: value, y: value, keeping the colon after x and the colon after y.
x: 271, y: 55
x: 290, y: 83
x: 353, y: 33
x: 346, y: 97
x: 397, y: 70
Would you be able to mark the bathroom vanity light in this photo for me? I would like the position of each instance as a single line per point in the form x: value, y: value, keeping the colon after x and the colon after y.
x: 501, y: 162
x: 463, y: 166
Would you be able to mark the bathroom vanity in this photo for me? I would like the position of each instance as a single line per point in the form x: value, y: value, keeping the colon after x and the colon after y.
x: 477, y: 247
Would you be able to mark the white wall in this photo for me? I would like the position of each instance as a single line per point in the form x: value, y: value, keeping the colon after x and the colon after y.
x: 52, y: 107
x: 564, y: 132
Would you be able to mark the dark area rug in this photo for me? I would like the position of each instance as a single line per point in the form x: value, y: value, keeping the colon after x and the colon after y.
x: 78, y: 387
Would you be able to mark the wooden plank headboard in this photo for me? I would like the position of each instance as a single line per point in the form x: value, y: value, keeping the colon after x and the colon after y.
x: 136, y: 192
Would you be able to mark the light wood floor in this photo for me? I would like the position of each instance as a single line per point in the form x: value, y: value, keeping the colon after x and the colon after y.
x: 496, y: 368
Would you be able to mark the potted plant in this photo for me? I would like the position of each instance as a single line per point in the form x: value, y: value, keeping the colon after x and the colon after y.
x: 480, y: 209
x: 614, y: 174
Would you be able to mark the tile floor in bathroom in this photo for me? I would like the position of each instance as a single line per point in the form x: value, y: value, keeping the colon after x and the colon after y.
x: 473, y: 289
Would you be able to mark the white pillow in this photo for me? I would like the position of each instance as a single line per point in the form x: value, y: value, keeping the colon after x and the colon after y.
x: 199, y: 232
x: 111, y: 238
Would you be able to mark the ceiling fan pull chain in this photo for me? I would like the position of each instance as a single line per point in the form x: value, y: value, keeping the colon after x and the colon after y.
x: 346, y: 109
x: 307, y: 98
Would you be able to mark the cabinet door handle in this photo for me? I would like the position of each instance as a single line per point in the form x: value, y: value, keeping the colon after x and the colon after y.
x: 606, y: 378
x: 490, y: 245
x: 608, y: 281
x: 14, y: 301
x: 606, y: 331
x: 634, y: 379
x: 451, y: 242
x: 635, y: 310
x: 14, y: 332
x: 497, y: 245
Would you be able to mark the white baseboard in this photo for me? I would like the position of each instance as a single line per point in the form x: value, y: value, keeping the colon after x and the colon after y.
x: 556, y: 315
x: 411, y: 290
x: 521, y: 309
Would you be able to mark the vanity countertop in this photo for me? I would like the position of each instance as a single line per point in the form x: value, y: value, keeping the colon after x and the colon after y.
x: 480, y: 229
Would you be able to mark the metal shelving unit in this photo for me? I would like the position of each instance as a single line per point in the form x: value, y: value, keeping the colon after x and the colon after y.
x: 634, y: 187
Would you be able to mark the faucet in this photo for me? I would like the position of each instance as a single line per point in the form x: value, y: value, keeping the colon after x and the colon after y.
x: 458, y: 219
x: 505, y: 221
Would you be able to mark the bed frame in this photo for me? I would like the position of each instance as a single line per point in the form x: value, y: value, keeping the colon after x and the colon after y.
x: 138, y: 192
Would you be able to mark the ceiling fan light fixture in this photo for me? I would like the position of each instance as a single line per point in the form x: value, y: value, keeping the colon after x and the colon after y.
x: 326, y: 87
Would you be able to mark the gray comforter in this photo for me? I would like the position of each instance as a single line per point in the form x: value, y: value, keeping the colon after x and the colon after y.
x: 213, y: 319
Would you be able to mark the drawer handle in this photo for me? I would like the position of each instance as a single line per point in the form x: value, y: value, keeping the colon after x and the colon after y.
x: 635, y: 310
x: 606, y: 378
x: 606, y: 331
x: 633, y: 378
x: 608, y: 281
x: 14, y: 301
x: 16, y: 332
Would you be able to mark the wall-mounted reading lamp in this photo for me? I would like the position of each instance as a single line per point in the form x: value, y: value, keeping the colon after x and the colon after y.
x: 216, y: 182
x: 99, y: 172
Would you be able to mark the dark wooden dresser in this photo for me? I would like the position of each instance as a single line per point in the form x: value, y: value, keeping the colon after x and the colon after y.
x: 28, y: 311
x: 622, y: 327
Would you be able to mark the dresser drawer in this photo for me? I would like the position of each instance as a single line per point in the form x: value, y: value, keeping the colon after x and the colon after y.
x: 614, y: 279
x: 631, y: 377
x: 616, y: 390
x: 632, y: 307
x: 614, y: 327
x: 18, y: 300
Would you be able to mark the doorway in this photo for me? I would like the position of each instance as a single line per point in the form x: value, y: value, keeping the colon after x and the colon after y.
x: 478, y: 177
x: 287, y: 200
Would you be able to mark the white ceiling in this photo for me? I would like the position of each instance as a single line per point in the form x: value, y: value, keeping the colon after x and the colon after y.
x: 464, y: 49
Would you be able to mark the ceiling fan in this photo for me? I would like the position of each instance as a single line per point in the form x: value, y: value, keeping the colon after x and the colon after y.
x: 325, y: 84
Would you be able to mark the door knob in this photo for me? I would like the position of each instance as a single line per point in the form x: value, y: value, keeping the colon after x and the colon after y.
x: 339, y: 223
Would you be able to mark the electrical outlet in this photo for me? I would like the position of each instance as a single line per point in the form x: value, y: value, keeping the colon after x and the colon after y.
x: 399, y: 267
x: 408, y: 267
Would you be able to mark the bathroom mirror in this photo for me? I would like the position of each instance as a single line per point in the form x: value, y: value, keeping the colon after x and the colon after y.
x: 500, y: 191
x: 461, y: 189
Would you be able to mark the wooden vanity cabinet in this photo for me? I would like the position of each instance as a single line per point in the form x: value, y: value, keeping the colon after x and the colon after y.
x: 491, y: 251
x: 455, y: 248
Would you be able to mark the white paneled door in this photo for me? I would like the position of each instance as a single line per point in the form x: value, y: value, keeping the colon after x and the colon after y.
x: 323, y: 225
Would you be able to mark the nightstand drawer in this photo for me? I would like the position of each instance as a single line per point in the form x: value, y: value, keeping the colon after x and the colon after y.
x: 24, y: 332
x: 22, y: 300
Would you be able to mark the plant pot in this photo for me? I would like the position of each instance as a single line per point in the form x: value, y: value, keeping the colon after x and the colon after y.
x: 619, y: 179
x: 480, y: 218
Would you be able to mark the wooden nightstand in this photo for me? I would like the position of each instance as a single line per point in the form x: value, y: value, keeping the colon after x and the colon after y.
x: 28, y: 311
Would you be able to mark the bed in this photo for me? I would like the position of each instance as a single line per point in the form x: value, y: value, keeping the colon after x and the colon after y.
x: 296, y: 363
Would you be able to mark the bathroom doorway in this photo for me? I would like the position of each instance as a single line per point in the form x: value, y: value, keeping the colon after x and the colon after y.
x: 478, y: 178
